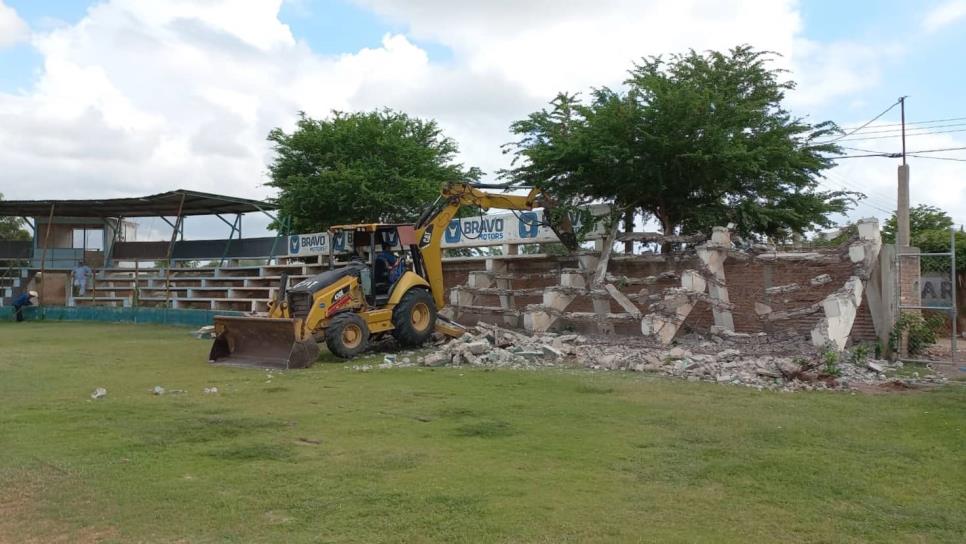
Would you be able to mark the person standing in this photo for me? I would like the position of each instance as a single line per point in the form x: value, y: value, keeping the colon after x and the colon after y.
x: 81, y: 273
x: 28, y: 298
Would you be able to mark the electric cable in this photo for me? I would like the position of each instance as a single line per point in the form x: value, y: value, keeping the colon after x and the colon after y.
x: 867, y: 123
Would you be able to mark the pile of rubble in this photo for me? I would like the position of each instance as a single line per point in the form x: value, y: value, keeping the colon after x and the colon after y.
x: 760, y: 361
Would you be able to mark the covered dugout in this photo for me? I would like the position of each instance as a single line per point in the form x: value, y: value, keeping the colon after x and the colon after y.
x: 98, y: 230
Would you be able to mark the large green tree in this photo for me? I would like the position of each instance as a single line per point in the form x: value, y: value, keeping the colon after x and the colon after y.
x: 361, y: 167
x: 922, y: 219
x: 11, y: 228
x: 694, y: 141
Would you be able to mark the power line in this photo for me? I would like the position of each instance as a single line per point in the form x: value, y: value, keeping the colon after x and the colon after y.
x: 866, y: 201
x: 938, y: 158
x: 892, y: 155
x: 871, y: 199
x: 899, y: 130
x: 885, y: 155
x: 895, y: 136
x: 875, y: 196
x: 939, y: 150
x: 918, y: 122
x: 869, y: 122
x: 865, y: 150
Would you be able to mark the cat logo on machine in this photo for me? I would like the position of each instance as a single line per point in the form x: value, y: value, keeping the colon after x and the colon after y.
x: 339, y: 299
x: 427, y: 236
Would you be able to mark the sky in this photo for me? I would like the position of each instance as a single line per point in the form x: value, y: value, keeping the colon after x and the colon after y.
x: 113, y: 98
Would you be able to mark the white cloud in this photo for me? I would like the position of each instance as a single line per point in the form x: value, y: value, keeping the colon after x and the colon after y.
x: 141, y: 97
x: 13, y: 29
x: 827, y: 71
x: 944, y: 14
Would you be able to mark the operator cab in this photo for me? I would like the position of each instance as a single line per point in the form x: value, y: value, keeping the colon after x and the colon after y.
x: 387, y: 251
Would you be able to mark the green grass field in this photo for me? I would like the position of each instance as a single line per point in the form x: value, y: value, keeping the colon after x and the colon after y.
x: 450, y: 455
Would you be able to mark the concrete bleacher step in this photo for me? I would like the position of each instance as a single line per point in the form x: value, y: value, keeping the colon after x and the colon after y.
x: 102, y: 301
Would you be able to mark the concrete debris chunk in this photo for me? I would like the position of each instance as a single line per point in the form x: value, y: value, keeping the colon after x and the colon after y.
x: 783, y: 289
x: 479, y: 347
x: 157, y: 390
x: 821, y: 280
x: 99, y: 393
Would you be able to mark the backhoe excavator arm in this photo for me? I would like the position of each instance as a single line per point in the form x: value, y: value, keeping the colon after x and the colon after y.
x: 433, y: 223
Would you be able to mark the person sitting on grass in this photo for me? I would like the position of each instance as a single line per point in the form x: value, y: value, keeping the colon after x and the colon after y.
x: 28, y: 298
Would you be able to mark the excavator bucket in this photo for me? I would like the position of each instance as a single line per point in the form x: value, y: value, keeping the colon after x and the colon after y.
x: 262, y: 342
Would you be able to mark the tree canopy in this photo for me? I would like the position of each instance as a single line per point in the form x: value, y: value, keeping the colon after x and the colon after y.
x: 11, y: 228
x: 694, y: 141
x: 922, y: 218
x: 929, y: 231
x: 380, y: 166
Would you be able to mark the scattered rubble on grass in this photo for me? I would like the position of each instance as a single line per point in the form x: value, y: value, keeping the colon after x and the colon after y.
x: 777, y: 361
x: 210, y: 390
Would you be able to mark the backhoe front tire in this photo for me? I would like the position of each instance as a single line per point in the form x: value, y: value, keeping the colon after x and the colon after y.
x: 347, y: 335
x: 414, y: 318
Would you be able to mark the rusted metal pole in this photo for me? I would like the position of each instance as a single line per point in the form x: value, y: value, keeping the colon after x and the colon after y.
x: 43, y: 257
x: 136, y: 292
x: 167, y: 270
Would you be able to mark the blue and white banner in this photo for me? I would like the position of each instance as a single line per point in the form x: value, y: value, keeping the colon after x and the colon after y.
x: 486, y: 230
x: 507, y: 228
x: 308, y: 244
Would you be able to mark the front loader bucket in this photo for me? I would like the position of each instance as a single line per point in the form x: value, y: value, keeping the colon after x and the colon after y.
x: 262, y: 342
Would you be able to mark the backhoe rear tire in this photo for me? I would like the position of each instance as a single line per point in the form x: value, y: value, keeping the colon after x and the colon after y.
x: 347, y: 335
x: 414, y: 318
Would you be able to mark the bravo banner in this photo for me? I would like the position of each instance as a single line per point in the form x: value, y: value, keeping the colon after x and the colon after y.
x: 308, y: 244
x: 487, y: 230
x: 506, y: 228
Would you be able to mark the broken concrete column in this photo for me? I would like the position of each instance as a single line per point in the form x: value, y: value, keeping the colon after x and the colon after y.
x: 713, y: 254
x: 537, y: 318
x: 691, y: 280
x: 495, y: 267
x: 864, y: 252
x: 664, y: 324
x: 841, y: 307
x: 839, y: 311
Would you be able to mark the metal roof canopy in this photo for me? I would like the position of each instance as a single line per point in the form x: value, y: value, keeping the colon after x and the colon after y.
x: 162, y: 204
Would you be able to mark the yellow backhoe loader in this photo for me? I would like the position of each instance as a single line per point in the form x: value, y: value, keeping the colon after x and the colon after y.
x: 368, y: 297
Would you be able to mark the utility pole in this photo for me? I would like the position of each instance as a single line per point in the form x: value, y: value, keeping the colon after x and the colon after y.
x: 902, y: 206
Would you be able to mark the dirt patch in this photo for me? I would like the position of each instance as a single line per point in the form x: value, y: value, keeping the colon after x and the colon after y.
x: 22, y: 523
x: 894, y: 386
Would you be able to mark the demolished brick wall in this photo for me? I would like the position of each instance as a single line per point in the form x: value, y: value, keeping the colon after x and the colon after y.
x: 782, y: 284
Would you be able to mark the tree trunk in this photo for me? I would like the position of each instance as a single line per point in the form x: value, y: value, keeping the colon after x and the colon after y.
x: 562, y: 227
x: 668, y: 229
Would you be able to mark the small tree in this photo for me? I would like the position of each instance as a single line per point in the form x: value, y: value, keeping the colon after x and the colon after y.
x: 696, y: 141
x: 361, y: 167
x: 923, y: 218
x: 11, y: 228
